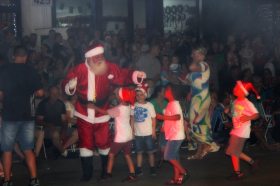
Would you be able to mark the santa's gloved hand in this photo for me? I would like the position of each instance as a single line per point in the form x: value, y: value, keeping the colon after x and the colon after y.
x: 73, y: 83
x: 138, y: 75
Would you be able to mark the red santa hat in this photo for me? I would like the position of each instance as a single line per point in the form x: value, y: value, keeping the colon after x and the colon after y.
x: 94, y: 50
x: 127, y: 95
x: 143, y: 87
x: 246, y: 87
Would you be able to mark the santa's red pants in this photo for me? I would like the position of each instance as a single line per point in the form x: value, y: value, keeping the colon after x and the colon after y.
x: 93, y: 136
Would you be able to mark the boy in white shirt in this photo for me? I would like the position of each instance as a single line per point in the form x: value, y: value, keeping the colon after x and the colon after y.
x: 243, y: 112
x: 123, y: 131
x: 174, y: 134
x: 144, y: 117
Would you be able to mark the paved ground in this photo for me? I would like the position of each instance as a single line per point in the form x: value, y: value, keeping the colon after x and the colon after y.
x: 211, y: 171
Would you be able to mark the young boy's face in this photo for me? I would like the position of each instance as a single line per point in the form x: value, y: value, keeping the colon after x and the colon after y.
x: 140, y: 97
x: 168, y: 93
x: 238, y: 92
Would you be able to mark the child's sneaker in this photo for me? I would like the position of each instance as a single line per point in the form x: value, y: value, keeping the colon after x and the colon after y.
x: 236, y: 176
x: 106, y: 176
x: 255, y: 166
x: 8, y: 183
x: 138, y: 171
x: 153, y: 171
x: 130, y: 178
x: 34, y: 182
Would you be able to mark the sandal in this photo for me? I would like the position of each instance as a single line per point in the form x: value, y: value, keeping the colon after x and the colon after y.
x: 203, y: 154
x: 171, y: 182
x: 194, y: 157
x: 183, y: 178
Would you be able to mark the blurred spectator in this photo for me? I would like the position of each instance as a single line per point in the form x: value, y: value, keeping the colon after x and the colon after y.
x: 51, y: 114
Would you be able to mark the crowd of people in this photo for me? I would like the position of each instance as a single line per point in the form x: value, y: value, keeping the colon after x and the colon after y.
x: 186, y: 85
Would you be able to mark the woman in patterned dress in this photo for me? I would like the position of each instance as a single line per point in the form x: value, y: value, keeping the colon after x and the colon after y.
x: 199, y: 117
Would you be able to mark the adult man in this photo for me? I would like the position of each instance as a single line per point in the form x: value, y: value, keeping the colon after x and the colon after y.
x: 92, y: 81
x: 150, y: 64
x: 18, y: 83
x: 51, y: 113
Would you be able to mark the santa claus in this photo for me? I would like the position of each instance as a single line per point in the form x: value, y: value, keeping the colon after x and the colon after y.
x: 92, y: 82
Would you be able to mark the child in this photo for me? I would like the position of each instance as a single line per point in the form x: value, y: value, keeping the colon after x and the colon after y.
x: 243, y: 112
x: 220, y: 121
x: 123, y: 131
x: 144, y: 117
x: 174, y: 134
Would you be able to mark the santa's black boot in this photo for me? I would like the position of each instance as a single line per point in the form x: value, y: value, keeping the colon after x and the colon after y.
x: 87, y: 168
x: 104, y: 163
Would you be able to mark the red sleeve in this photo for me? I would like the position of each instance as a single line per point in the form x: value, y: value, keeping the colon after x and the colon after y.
x: 71, y: 74
x: 121, y: 76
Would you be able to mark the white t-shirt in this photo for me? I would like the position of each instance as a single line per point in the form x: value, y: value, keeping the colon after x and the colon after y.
x: 123, y: 131
x: 143, y: 114
x: 241, y: 108
x: 174, y: 130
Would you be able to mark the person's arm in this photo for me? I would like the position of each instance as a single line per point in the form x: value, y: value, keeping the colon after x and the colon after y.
x: 132, y: 124
x: 64, y: 120
x: 123, y: 76
x: 93, y: 106
x: 69, y: 84
x: 195, y: 67
x: 154, y: 128
x: 1, y: 96
x: 245, y: 118
x: 171, y: 118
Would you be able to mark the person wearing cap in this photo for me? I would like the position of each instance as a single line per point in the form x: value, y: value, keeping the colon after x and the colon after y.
x: 123, y: 130
x: 91, y: 81
x: 144, y: 119
x: 19, y: 84
x: 243, y: 112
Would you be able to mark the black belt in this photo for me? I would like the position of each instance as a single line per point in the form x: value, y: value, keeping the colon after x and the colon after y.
x: 97, y: 103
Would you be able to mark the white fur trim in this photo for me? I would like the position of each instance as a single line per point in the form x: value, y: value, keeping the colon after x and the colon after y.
x: 93, y: 120
x: 68, y: 91
x: 135, y: 78
x: 84, y: 152
x: 242, y: 88
x: 94, y: 52
x: 142, y: 90
x: 104, y: 151
x: 120, y: 93
x: 110, y: 76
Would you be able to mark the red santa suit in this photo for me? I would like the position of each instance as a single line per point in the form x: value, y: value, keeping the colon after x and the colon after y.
x: 93, y: 128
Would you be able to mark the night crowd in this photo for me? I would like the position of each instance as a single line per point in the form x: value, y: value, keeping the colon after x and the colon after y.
x: 168, y: 62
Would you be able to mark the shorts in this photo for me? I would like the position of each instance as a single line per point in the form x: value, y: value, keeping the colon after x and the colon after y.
x: 117, y: 147
x: 144, y: 144
x: 235, y: 146
x: 17, y: 131
x: 172, y: 148
x: 161, y: 140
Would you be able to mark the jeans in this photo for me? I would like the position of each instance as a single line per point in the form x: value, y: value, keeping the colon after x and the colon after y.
x: 17, y: 131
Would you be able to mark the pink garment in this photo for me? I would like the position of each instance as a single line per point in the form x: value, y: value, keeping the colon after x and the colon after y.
x: 241, y: 108
x: 174, y: 130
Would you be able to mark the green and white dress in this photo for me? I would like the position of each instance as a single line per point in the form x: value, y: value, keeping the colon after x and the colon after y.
x: 199, y: 108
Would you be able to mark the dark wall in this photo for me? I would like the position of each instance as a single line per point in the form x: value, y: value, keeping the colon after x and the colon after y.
x: 222, y: 17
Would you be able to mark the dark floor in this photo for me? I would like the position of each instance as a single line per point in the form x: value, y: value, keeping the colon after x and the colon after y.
x: 211, y: 171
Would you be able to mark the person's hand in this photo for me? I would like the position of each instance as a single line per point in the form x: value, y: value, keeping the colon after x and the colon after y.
x: 141, y: 75
x: 244, y: 118
x: 184, y: 81
x: 154, y: 136
x: 73, y: 83
x: 91, y: 106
